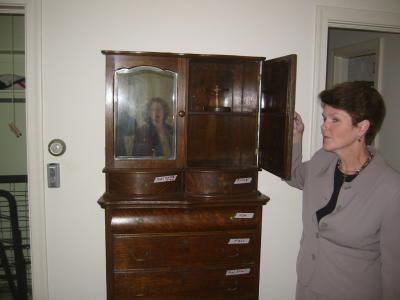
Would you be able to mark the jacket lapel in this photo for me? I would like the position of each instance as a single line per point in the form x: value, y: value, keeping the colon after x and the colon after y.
x: 324, y: 183
x: 364, y: 184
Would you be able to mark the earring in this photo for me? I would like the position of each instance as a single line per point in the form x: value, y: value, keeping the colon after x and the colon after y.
x: 360, y: 139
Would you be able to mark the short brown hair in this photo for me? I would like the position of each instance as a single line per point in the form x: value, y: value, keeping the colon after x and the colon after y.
x: 361, y: 101
x: 163, y: 104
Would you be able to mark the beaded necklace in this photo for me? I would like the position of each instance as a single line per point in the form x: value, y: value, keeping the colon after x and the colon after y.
x: 355, y: 172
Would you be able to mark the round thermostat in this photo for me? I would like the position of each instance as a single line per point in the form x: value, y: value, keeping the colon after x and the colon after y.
x: 57, y: 147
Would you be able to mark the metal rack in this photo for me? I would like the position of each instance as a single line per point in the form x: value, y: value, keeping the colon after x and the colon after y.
x: 15, y: 272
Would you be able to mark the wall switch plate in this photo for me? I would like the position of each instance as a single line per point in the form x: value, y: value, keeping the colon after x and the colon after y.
x: 53, y: 175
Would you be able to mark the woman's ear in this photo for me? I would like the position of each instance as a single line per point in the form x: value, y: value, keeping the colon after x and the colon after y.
x: 363, y: 127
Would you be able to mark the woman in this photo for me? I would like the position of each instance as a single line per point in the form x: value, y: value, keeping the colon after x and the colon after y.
x: 350, y: 247
x: 155, y: 137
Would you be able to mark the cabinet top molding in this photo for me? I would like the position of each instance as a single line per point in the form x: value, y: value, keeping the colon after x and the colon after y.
x: 186, y: 55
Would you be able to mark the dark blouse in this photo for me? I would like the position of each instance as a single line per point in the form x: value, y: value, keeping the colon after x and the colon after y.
x: 338, y: 180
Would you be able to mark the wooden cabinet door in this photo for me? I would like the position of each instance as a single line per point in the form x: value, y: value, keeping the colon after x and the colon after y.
x: 278, y: 84
x: 145, y: 110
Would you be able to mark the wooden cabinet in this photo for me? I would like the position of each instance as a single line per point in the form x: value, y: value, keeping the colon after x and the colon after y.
x: 186, y: 136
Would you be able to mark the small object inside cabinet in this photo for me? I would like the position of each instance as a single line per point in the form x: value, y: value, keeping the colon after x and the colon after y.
x: 186, y: 135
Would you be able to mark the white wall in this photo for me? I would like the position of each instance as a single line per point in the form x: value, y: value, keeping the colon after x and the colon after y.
x: 74, y: 32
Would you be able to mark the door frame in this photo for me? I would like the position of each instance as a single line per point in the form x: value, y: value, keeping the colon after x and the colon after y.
x: 34, y: 139
x: 339, y: 17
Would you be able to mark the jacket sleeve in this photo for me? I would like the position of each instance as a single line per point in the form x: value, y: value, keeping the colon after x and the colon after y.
x: 390, y: 250
x: 298, y: 167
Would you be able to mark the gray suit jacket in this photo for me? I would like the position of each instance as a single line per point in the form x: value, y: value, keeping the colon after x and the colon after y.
x: 354, y: 252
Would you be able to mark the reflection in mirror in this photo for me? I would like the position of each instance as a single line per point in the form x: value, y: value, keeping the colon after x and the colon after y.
x: 145, y: 113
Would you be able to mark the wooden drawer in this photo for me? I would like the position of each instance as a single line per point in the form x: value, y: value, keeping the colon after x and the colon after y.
x: 144, y: 183
x: 240, y: 282
x: 150, y: 251
x: 149, y: 220
x: 215, y: 182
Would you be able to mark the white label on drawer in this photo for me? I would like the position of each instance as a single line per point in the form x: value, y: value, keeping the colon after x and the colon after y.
x: 237, y: 272
x: 165, y: 178
x: 239, y: 241
x: 240, y: 215
x: 243, y: 180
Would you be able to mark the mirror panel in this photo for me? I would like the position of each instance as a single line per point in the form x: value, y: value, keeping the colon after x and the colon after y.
x: 145, y: 113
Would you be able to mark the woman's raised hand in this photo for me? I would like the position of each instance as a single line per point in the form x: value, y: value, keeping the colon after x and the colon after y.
x: 298, y: 128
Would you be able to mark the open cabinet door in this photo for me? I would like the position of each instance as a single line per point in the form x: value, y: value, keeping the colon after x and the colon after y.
x: 278, y: 89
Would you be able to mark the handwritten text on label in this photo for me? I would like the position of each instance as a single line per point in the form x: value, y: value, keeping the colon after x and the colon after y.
x: 242, y: 180
x: 237, y: 272
x: 244, y: 215
x: 165, y: 178
x: 238, y: 241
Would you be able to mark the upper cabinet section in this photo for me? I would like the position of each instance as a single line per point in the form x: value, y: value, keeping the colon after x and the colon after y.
x: 223, y: 100
x: 201, y: 112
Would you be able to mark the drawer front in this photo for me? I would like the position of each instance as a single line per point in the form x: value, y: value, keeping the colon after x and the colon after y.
x: 144, y: 183
x: 215, y: 182
x: 135, y: 252
x: 230, y: 283
x: 148, y: 220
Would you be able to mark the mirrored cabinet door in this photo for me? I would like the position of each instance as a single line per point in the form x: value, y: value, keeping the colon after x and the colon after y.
x: 142, y: 124
x: 145, y: 113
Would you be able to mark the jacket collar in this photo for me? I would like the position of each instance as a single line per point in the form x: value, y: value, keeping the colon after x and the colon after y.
x: 361, y: 186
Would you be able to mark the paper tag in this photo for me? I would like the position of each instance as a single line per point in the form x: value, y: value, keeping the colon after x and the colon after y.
x: 237, y: 272
x: 244, y: 215
x: 243, y: 180
x: 165, y: 178
x: 239, y: 241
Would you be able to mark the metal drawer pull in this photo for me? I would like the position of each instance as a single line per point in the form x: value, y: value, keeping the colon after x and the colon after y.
x: 145, y: 257
x: 236, y: 254
x: 142, y: 294
x: 232, y: 289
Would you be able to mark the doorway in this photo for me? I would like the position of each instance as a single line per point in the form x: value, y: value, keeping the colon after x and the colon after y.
x: 329, y: 18
x: 15, y: 272
x: 370, y: 56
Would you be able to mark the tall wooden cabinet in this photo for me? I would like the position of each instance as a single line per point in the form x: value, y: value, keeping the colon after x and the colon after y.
x: 186, y: 136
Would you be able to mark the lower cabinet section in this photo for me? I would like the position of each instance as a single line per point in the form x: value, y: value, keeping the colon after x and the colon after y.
x: 237, y: 282
x: 208, y: 252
